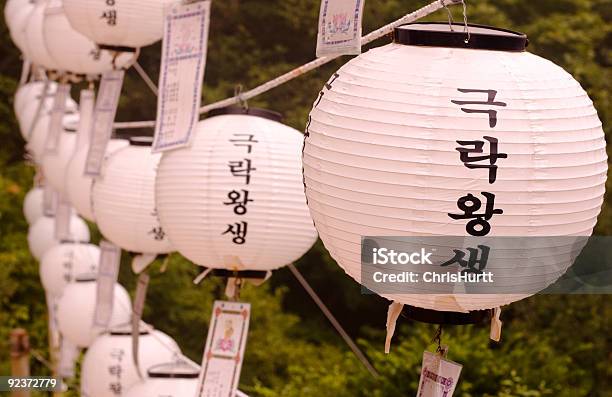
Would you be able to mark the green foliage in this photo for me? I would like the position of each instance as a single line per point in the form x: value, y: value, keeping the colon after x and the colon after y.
x: 551, y: 345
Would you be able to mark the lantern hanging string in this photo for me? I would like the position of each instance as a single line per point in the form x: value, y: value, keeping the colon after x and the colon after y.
x: 284, y: 78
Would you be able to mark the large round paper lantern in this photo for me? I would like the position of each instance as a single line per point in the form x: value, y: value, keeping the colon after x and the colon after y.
x: 38, y: 139
x: 33, y: 204
x: 234, y: 199
x: 78, y: 185
x: 76, y: 309
x: 393, y: 143
x: 73, y: 52
x: 108, y: 366
x: 63, y: 262
x: 124, y: 23
x: 167, y: 380
x: 54, y: 164
x: 41, y: 234
x: 37, y: 50
x: 16, y: 14
x: 124, y: 202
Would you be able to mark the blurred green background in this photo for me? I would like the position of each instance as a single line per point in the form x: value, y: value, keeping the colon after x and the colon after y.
x: 551, y: 345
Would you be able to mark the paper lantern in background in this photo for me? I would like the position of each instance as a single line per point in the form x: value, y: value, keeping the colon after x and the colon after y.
x: 114, y: 350
x: 125, y: 23
x: 168, y: 380
x: 54, y: 164
x: 38, y: 140
x: 62, y: 263
x: 37, y: 50
x: 73, y: 52
x: 76, y: 309
x: 234, y: 199
x: 78, y: 185
x: 41, y: 234
x: 381, y: 157
x: 16, y: 13
x: 123, y: 199
x: 33, y: 204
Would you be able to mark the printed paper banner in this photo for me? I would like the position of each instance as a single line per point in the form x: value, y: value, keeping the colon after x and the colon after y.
x: 108, y: 270
x: 57, y: 116
x: 104, y: 116
x: 339, y: 27
x: 181, y: 74
x: 86, y: 110
x: 39, y: 108
x: 439, y: 376
x: 224, y: 349
x: 49, y: 200
x: 139, y: 301
x: 62, y: 218
x: 68, y: 354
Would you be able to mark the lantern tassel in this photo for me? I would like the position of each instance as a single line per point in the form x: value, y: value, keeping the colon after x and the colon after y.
x: 496, y: 325
x: 395, y: 308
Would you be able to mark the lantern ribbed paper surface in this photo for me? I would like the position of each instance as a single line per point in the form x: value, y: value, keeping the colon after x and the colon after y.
x: 124, y: 203
x: 169, y: 380
x: 37, y: 49
x: 381, y: 157
x: 128, y: 23
x: 54, y: 164
x: 78, y: 185
x: 65, y: 261
x: 33, y: 205
x: 36, y: 145
x: 234, y: 199
x: 114, y: 350
x: 76, y: 310
x: 16, y: 14
x: 41, y: 234
x: 72, y: 51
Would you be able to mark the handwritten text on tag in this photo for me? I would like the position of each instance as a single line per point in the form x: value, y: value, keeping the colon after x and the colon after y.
x: 108, y: 270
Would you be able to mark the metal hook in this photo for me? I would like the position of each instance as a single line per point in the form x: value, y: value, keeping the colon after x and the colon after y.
x: 465, y: 22
x: 438, y: 339
x: 450, y: 16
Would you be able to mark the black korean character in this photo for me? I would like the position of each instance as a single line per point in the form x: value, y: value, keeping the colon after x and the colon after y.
x: 239, y: 230
x: 110, y: 16
x: 242, y: 169
x: 477, y: 147
x: 117, y: 354
x: 158, y: 233
x: 115, y: 388
x: 474, y: 259
x: 244, y: 140
x: 490, y: 101
x: 239, y: 201
x: 110, y: 2
x: 115, y: 370
x: 469, y: 205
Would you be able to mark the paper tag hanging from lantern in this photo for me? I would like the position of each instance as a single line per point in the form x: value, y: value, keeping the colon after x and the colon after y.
x: 439, y: 376
x: 108, y: 270
x: 104, y: 116
x: 63, y: 214
x: 339, y: 27
x: 86, y: 109
x: 68, y: 355
x: 57, y: 115
x: 49, y: 200
x: 224, y: 351
x: 181, y: 74
x: 138, y: 306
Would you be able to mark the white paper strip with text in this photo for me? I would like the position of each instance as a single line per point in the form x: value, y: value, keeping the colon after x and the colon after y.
x: 104, y: 116
x: 181, y: 74
x: 339, y: 27
x: 63, y: 213
x: 224, y: 351
x: 57, y: 116
x: 108, y: 270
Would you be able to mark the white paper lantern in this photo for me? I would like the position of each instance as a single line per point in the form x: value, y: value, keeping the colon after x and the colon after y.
x: 33, y: 204
x: 73, y: 52
x: 63, y: 262
x: 381, y: 158
x: 41, y: 234
x: 38, y: 139
x: 108, y: 367
x: 125, y: 23
x: 123, y: 199
x: 54, y: 164
x: 199, y: 199
x: 16, y: 13
x: 36, y: 48
x: 170, y: 380
x: 76, y: 309
x: 78, y: 185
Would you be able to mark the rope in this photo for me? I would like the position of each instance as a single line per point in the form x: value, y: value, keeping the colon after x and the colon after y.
x: 145, y: 77
x: 284, y: 78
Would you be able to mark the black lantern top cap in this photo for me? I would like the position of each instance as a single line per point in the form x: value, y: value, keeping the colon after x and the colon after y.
x: 439, y: 34
x: 263, y: 113
x: 141, y: 140
x: 179, y: 370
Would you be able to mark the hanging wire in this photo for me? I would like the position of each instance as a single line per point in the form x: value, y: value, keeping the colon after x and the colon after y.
x: 145, y: 77
x: 284, y: 78
x: 466, y: 29
x: 450, y: 16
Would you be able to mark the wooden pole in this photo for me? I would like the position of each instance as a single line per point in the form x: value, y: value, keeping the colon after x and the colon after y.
x: 20, y: 357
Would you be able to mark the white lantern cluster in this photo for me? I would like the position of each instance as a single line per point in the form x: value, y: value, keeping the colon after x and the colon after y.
x: 37, y: 50
x: 125, y: 23
x: 381, y: 157
x: 38, y: 139
x: 76, y: 309
x: 167, y: 380
x: 41, y: 234
x: 234, y: 199
x: 123, y: 199
x: 62, y: 263
x: 16, y: 14
x: 108, y: 366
